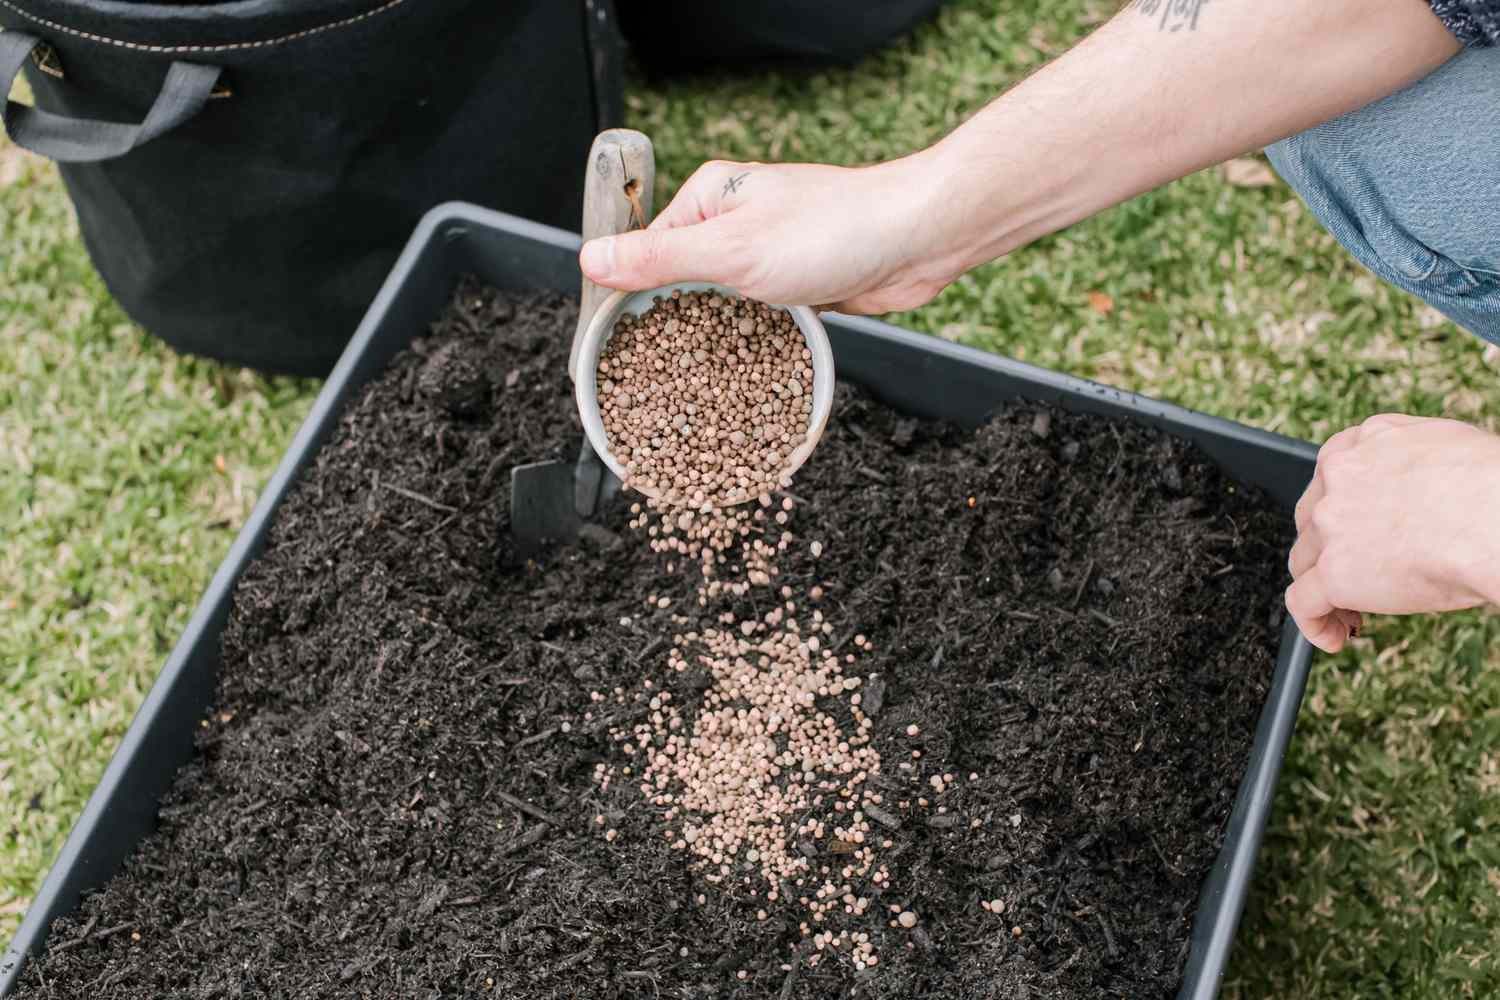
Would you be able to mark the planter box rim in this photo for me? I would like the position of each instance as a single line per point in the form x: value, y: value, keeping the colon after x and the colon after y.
x: 456, y: 237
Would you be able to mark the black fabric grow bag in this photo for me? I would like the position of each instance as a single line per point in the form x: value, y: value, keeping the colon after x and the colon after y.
x: 670, y: 37
x: 246, y: 173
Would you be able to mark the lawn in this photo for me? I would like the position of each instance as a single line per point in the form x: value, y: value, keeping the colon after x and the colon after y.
x: 125, y: 471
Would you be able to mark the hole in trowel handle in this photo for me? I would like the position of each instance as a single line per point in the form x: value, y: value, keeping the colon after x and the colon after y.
x: 637, y: 211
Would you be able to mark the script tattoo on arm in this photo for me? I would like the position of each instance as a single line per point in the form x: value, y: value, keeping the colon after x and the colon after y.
x: 1171, y: 15
x: 733, y: 184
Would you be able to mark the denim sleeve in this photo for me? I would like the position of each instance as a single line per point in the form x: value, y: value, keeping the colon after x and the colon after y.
x: 1475, y: 22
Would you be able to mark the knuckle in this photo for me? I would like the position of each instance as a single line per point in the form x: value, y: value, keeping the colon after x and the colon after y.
x: 1337, y: 467
x: 1336, y: 443
x: 1303, y: 505
x: 1325, y: 519
x: 713, y: 171
x: 706, y: 179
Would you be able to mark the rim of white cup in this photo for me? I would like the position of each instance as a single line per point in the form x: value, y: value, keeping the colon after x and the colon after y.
x: 601, y: 327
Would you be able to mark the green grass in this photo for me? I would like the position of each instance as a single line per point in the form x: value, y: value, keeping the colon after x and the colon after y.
x: 125, y: 470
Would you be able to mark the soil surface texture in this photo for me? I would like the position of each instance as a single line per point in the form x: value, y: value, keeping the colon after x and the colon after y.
x: 394, y: 794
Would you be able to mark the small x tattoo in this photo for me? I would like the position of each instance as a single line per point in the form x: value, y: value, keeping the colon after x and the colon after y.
x: 733, y: 184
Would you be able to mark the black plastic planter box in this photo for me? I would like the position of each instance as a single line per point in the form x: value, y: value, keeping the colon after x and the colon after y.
x: 921, y: 375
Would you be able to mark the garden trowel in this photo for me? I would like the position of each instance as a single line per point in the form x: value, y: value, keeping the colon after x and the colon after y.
x: 551, y: 501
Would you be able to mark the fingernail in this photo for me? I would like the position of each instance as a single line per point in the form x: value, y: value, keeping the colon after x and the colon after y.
x: 598, y: 258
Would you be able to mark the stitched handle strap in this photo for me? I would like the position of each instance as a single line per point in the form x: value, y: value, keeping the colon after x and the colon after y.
x: 83, y: 140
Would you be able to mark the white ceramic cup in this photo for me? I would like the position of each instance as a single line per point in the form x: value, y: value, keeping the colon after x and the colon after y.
x: 602, y: 326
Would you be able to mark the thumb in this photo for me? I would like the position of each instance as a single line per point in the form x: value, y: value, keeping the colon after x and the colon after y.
x: 649, y: 258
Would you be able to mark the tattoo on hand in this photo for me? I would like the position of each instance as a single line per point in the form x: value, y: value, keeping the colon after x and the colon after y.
x: 1174, y: 15
x: 733, y: 184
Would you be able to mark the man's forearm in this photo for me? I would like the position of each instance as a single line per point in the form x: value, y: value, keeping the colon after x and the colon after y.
x: 1486, y: 573
x: 1166, y: 88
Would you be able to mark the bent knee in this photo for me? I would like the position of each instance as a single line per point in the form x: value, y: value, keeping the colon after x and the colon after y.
x: 1411, y: 186
x: 1416, y: 175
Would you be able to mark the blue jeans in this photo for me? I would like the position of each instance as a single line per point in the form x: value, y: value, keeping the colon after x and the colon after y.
x: 1411, y: 186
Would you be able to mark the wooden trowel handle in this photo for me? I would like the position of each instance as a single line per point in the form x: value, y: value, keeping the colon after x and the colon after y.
x: 617, y: 190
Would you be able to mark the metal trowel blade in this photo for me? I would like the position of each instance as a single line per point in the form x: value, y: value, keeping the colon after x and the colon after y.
x: 543, y: 511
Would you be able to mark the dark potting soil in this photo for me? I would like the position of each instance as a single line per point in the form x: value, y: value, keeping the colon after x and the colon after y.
x: 394, y: 796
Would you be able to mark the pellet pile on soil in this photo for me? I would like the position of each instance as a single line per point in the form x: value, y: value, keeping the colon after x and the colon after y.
x: 397, y: 792
x: 705, y: 399
x: 758, y: 778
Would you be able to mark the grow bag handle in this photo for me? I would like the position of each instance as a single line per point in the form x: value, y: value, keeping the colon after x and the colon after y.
x: 85, y: 140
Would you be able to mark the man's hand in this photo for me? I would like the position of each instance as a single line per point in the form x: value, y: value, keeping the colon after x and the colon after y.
x: 800, y: 234
x: 1400, y: 518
